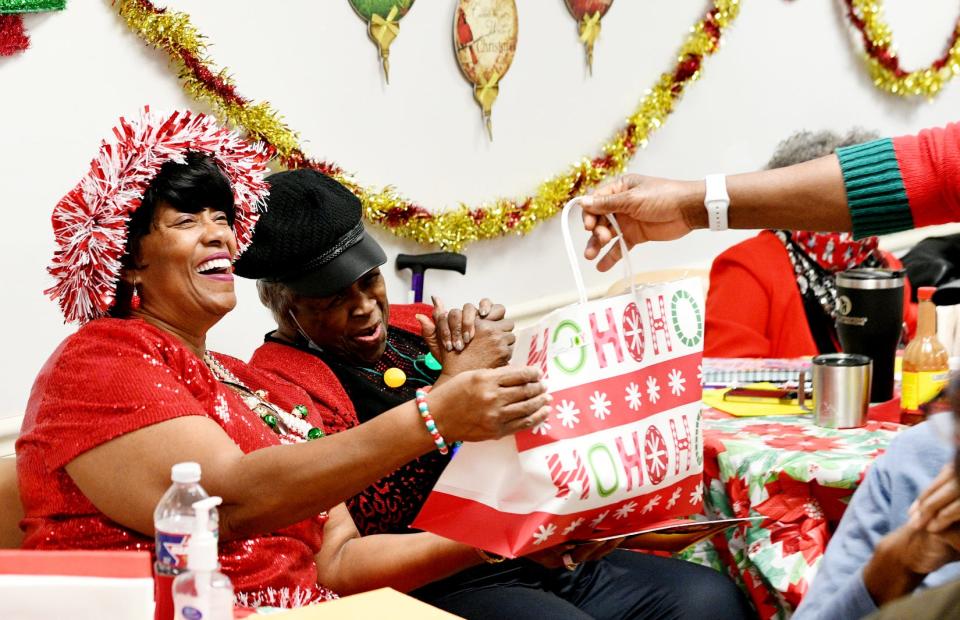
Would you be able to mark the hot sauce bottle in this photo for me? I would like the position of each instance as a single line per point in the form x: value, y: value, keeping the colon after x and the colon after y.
x: 926, y: 367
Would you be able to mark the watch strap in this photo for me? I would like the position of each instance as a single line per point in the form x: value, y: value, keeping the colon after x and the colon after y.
x: 716, y: 201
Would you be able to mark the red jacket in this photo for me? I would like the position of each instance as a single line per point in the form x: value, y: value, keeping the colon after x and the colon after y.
x: 754, y: 308
x: 311, y: 374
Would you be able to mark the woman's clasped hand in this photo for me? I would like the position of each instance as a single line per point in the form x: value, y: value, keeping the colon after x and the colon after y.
x: 485, y: 327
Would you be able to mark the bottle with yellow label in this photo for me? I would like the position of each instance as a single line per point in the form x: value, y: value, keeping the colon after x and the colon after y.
x: 926, y: 366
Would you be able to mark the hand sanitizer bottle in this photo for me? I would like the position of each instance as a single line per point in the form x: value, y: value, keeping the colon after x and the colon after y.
x: 202, y: 592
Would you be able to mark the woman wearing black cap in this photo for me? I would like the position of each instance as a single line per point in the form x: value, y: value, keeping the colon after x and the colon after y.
x: 338, y: 338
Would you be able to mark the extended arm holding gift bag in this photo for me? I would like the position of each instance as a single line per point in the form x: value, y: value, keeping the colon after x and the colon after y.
x: 874, y: 188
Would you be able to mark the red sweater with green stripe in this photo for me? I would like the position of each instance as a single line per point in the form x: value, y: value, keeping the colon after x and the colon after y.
x: 907, y: 182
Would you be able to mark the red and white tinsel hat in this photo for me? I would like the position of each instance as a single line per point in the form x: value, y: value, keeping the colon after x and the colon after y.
x: 90, y: 222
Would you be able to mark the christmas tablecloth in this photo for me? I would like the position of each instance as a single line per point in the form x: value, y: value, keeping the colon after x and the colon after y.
x: 795, y: 475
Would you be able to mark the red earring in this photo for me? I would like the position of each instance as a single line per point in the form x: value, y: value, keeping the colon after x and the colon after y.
x: 135, y: 298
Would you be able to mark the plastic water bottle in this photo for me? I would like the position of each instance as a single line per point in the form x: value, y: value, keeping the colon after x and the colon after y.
x: 174, y: 519
x: 203, y: 592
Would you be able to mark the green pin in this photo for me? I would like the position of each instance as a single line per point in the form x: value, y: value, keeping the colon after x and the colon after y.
x: 432, y: 362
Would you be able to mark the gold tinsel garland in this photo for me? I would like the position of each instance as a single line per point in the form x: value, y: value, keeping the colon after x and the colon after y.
x: 454, y: 228
x: 883, y: 63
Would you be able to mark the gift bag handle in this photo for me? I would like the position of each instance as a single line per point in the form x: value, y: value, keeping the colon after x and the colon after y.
x: 572, y: 255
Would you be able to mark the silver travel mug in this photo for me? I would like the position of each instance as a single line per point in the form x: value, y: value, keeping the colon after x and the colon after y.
x: 841, y: 389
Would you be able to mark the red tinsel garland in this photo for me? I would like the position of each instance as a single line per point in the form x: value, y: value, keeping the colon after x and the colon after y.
x: 13, y: 38
x: 881, y: 51
x: 882, y: 60
x: 172, y: 32
x: 224, y: 89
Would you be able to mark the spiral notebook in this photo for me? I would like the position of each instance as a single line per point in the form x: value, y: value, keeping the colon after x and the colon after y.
x: 719, y: 371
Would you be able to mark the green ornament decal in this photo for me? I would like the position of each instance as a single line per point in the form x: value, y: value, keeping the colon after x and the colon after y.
x: 368, y: 8
x: 383, y: 24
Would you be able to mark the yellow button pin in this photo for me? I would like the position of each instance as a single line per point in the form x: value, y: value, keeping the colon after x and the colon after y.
x: 394, y: 377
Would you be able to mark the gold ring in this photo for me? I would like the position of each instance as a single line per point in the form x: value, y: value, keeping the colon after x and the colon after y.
x: 568, y: 562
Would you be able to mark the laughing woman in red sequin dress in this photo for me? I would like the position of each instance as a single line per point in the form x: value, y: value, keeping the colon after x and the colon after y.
x: 145, y: 247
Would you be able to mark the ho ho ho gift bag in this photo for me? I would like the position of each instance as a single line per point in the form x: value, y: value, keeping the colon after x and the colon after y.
x: 622, y: 448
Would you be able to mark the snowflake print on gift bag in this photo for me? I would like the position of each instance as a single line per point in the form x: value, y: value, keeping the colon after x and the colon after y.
x: 620, y: 452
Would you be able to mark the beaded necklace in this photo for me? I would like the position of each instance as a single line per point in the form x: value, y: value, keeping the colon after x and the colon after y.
x: 425, y: 378
x: 290, y: 426
x: 812, y: 279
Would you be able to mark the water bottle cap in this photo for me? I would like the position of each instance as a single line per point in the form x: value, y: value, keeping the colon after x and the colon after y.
x: 185, y: 472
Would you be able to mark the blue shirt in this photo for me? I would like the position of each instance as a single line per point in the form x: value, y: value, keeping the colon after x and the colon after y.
x: 878, y: 507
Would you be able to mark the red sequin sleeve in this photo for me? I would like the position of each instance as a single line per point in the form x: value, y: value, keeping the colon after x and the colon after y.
x: 110, y: 378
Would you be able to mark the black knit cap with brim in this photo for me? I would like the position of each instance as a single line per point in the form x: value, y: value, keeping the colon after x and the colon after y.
x: 310, y: 238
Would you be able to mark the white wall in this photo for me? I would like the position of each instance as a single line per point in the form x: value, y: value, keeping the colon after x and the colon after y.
x: 784, y: 66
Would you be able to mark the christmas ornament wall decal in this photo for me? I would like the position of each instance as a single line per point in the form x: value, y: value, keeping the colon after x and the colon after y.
x: 588, y: 14
x: 382, y: 17
x: 485, y: 39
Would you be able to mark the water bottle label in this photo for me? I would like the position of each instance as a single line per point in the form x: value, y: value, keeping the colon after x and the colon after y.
x: 191, y: 613
x: 172, y: 550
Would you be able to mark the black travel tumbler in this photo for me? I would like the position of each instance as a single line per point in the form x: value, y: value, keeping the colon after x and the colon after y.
x: 870, y: 321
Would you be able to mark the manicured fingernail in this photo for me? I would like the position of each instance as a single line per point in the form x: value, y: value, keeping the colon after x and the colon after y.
x: 467, y: 338
x: 448, y: 345
x: 459, y: 345
x: 549, y: 397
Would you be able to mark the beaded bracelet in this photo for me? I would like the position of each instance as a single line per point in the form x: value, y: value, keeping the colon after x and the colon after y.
x: 428, y: 420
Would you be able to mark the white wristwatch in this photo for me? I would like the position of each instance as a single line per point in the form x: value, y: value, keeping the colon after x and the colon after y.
x: 717, y: 201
